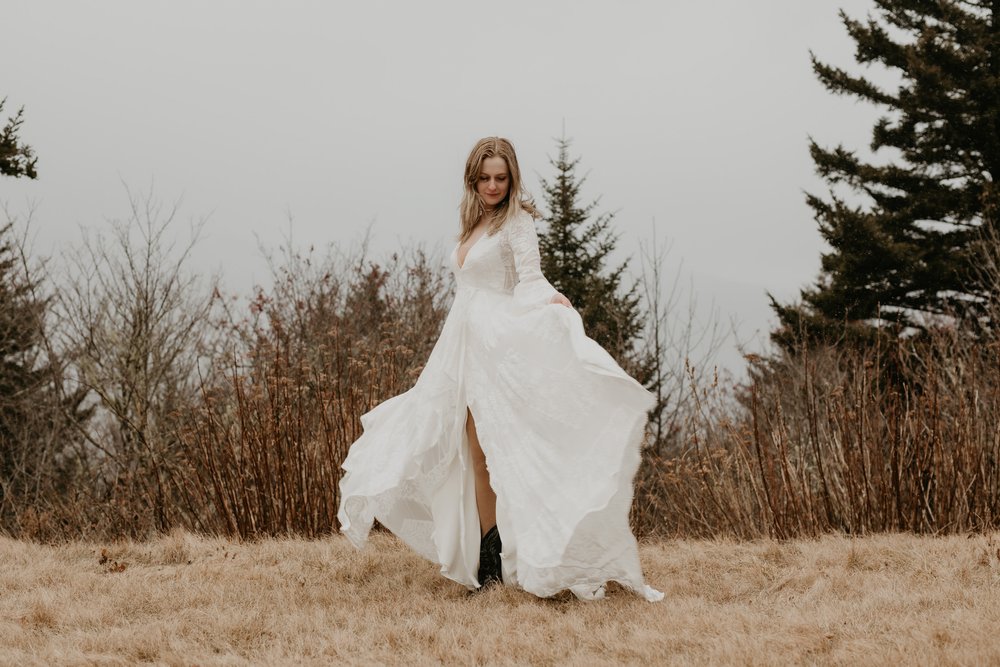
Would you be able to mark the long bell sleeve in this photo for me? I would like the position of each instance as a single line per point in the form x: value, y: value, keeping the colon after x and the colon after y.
x: 531, y: 289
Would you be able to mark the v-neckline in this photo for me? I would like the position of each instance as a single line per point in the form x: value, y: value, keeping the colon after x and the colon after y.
x: 461, y: 264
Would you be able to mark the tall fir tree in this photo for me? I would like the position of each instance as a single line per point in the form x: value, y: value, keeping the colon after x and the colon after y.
x: 575, y: 247
x: 908, y: 250
x: 37, y: 418
x: 20, y: 332
x: 16, y: 158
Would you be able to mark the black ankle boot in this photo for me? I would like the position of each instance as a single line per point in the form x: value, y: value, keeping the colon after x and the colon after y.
x: 489, y: 558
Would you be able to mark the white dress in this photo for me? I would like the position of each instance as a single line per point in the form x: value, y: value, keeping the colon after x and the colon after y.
x: 560, y: 423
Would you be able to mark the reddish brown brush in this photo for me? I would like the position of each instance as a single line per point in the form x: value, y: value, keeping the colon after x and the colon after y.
x: 837, y: 440
x: 265, y: 447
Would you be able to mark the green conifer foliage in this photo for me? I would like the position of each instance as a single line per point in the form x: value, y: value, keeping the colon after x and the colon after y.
x: 16, y: 158
x: 575, y: 247
x: 907, y: 250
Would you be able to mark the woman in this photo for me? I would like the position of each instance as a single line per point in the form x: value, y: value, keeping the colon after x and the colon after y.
x: 511, y: 459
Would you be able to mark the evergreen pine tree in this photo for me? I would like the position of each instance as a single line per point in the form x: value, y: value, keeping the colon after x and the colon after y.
x: 575, y: 247
x: 907, y: 252
x: 20, y: 330
x: 36, y: 416
x: 16, y: 158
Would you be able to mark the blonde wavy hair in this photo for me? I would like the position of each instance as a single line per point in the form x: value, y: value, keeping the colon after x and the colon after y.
x: 472, y: 209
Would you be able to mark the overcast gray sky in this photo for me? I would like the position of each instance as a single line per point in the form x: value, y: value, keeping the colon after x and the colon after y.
x: 694, y: 115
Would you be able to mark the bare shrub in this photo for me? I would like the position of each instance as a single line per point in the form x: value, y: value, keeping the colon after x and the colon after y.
x: 985, y: 270
x: 828, y: 444
x: 335, y: 336
x: 670, y: 341
x: 133, y: 322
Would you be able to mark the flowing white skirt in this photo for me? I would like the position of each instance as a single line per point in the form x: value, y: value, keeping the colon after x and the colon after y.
x: 561, y: 425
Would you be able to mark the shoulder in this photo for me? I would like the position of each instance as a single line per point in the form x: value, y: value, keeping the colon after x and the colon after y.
x: 519, y: 231
x: 520, y: 221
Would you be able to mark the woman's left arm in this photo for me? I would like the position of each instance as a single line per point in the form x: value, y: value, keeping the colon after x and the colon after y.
x: 532, y: 288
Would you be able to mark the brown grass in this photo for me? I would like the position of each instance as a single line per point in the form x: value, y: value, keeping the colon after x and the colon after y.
x: 183, y: 599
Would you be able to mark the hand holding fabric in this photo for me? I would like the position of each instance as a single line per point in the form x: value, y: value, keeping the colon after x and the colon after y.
x: 561, y: 299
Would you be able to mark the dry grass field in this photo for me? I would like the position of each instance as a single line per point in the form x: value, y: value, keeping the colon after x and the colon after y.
x: 189, y: 600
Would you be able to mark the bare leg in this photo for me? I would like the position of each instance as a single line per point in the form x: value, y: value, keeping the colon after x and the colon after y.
x: 486, y: 499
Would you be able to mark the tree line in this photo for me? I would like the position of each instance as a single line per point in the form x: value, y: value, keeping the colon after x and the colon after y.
x: 136, y: 397
x: 146, y: 382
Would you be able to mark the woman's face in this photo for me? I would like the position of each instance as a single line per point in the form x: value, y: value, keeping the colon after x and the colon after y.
x: 494, y: 181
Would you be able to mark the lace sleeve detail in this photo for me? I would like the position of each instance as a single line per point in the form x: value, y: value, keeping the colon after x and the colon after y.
x: 532, y: 289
